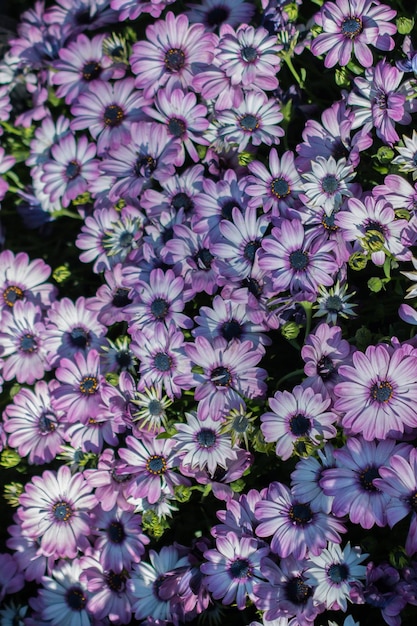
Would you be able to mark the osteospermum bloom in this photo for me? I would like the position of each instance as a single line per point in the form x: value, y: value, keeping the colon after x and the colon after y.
x: 305, y: 479
x: 407, y: 158
x: 332, y: 572
x: 22, y: 279
x: 215, y: 13
x: 295, y: 528
x: 327, y: 184
x: 301, y: 415
x: 377, y: 394
x: 233, y: 568
x: 173, y: 53
x: 350, y: 26
x: 54, y: 509
x: 201, y: 442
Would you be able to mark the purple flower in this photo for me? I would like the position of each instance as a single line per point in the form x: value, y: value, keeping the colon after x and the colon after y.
x: 11, y: 578
x: 297, y: 417
x: 296, y: 529
x: 131, y: 9
x: 378, y: 392
x: 384, y: 590
x: 54, y: 509
x: 233, y: 568
x: 350, y: 26
x: 22, y: 279
x: 305, y: 479
x: 327, y: 184
x: 216, y: 13
x: 33, y: 427
x: 173, y: 53
x: 110, y: 487
x: 32, y: 563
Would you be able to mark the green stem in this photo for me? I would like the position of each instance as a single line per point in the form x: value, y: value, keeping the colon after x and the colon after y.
x: 293, y: 374
x: 293, y: 71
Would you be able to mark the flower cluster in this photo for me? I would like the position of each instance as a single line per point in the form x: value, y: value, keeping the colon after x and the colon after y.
x: 208, y: 378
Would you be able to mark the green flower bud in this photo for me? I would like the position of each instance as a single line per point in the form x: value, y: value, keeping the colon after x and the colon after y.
x: 403, y: 214
x: 290, y: 330
x: 373, y: 241
x: 245, y: 157
x: 9, y: 458
x: 358, y: 261
x: 61, y: 273
x: 182, y: 493
x: 291, y: 10
x: 341, y: 77
x: 375, y: 284
x: 385, y: 154
x: 12, y: 493
x: 405, y: 25
x: 363, y: 337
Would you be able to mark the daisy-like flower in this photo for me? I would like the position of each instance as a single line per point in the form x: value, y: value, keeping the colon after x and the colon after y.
x: 278, y: 186
x: 183, y: 118
x: 201, y: 442
x: 299, y: 416
x: 152, y: 405
x: 378, y: 101
x: 149, y: 155
x: 22, y: 343
x: 377, y: 394
x: 131, y: 9
x: 298, y: 260
x: 373, y: 224
x: 334, y: 303
x: 327, y: 184
x: 33, y: 427
x: 351, y: 482
x: 22, y: 279
x: 215, y: 13
x: 229, y: 373
x: 150, y: 463
x: 173, y: 53
x: 305, y: 479
x: 332, y: 572
x: 296, y: 529
x: 81, y: 62
x: 147, y: 578
x: 110, y: 488
x: 62, y: 599
x: 231, y: 570
x: 398, y: 192
x: 238, y: 422
x: 350, y: 26
x: 79, y: 391
x: 249, y: 56
x: 255, y: 120
x: 54, y: 508
x: 399, y: 481
x: 71, y: 166
x: 108, y: 110
x: 407, y: 158
x: 109, y: 305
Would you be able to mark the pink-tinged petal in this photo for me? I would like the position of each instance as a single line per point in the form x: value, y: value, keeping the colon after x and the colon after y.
x: 408, y: 314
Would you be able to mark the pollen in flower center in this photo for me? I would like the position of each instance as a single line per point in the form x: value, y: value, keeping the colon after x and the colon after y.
x: 329, y: 223
x: 299, y: 425
x: 382, y: 391
x: 280, y: 187
x: 91, y: 70
x: 159, y: 308
x: 206, y: 438
x: 329, y: 184
x: 300, y: 514
x: 72, y: 170
x: 144, y: 166
x: 367, y: 476
x: 351, y: 27
x: 298, y: 260
x: 75, y: 598
x: 116, y: 582
x: 62, y: 511
x: 240, y: 568
x: 297, y: 591
x: 113, y: 115
x: 11, y: 294
x: 338, y: 572
x: 249, y: 122
x: 381, y: 100
x: 249, y: 54
x: 412, y: 501
x: 174, y: 59
x: 88, y: 385
x: 46, y: 423
x: 176, y: 127
x: 156, y: 465
x: 28, y: 343
x: 221, y: 377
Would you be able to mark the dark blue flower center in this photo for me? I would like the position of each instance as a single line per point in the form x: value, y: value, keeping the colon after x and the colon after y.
x: 156, y: 464
x: 121, y: 298
x: 299, y: 425
x: 249, y: 122
x: 412, y: 501
x: 253, y: 286
x: 367, y: 476
x: 182, y: 201
x: 116, y: 582
x: 231, y: 330
x: 176, y: 127
x: 329, y: 184
x: 88, y: 385
x: 227, y: 208
x: 325, y: 367
x: 124, y: 359
x: 47, y: 422
x: 75, y: 598
x: 155, y: 408
x: 113, y: 115
x: 329, y: 223
x: 300, y: 514
x: 28, y: 343
x: 351, y: 27
x: 250, y: 250
x: 217, y: 15
x: 62, y: 511
x: 299, y: 260
x: 338, y: 572
x: 280, y: 187
x: 221, y: 377
x: 381, y: 100
x: 79, y: 337
x: 72, y: 170
x: 162, y: 362
x: 91, y: 70
x: 297, y: 591
x: 159, y: 308
x: 125, y: 239
x: 116, y: 532
x: 249, y: 54
x: 240, y: 568
x: 334, y: 304
x: 203, y: 259
x: 145, y: 166
x: 11, y: 294
x: 382, y: 391
x: 174, y: 59
x: 206, y: 438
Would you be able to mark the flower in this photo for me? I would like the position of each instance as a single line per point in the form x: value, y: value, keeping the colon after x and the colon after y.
x: 334, y: 303
x: 22, y: 279
x: 349, y: 26
x: 407, y: 158
x: 54, y: 508
x: 215, y: 13
x: 327, y: 184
